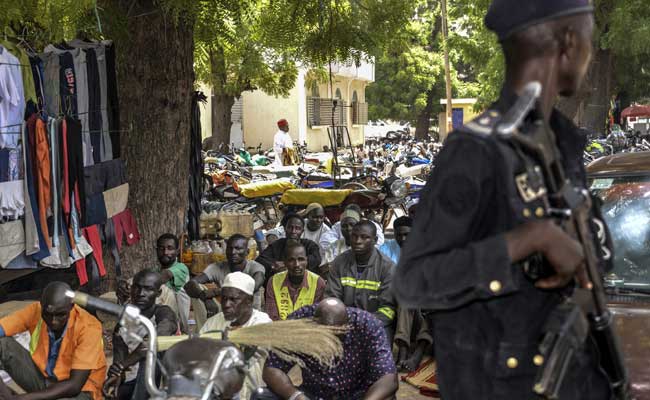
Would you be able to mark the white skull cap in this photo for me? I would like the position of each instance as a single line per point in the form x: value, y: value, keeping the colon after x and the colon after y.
x: 241, y: 281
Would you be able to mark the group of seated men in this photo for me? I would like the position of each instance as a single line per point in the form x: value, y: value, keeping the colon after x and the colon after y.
x: 338, y: 281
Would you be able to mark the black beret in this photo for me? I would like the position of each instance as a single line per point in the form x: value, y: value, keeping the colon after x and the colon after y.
x: 506, y: 17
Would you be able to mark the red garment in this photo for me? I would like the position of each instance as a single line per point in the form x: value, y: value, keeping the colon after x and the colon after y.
x: 125, y: 226
x: 66, y: 184
x: 91, y: 234
x: 43, y: 177
x: 82, y: 273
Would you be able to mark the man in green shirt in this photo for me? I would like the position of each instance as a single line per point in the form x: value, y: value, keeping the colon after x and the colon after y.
x: 174, y: 275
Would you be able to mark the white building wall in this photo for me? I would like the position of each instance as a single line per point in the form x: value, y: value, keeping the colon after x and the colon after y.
x: 262, y: 112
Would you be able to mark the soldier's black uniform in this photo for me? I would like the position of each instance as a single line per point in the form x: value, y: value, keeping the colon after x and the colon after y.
x: 488, y: 316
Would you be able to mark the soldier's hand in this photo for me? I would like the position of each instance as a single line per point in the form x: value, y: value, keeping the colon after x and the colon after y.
x: 564, y: 254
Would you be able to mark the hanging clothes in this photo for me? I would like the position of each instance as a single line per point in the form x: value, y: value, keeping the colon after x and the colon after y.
x: 12, y: 99
x: 12, y: 241
x: 31, y: 236
x: 43, y: 173
x: 75, y: 88
x: 12, y: 199
x: 76, y: 186
x: 25, y: 67
x: 54, y: 259
x: 195, y: 188
x: 51, y: 65
x: 38, y: 77
x: 98, y: 98
x: 65, y: 107
x: 112, y: 99
x: 34, y: 234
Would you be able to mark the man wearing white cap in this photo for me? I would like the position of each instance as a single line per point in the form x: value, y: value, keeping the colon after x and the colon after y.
x: 237, y: 305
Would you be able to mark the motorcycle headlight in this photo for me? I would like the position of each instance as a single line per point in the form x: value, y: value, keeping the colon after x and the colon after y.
x: 399, y: 188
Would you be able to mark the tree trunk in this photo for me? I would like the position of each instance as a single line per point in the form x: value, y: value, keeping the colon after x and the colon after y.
x: 221, y: 118
x: 424, y: 119
x: 155, y: 78
x: 221, y: 101
x: 590, y: 106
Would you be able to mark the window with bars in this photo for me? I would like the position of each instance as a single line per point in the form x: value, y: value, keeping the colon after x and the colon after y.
x: 359, y: 113
x: 319, y: 111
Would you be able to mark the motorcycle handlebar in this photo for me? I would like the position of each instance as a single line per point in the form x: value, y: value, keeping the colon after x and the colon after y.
x: 86, y: 301
x: 129, y: 318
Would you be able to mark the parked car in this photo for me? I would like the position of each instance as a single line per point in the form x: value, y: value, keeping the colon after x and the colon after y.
x: 380, y: 128
x: 622, y: 182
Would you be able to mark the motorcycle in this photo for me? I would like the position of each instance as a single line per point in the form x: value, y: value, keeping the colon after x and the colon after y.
x: 212, y: 367
x: 196, y: 368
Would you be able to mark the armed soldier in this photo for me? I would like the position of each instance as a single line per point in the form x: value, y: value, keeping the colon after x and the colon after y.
x: 492, y: 198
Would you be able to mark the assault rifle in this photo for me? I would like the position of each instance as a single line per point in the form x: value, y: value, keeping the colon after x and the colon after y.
x: 568, y: 325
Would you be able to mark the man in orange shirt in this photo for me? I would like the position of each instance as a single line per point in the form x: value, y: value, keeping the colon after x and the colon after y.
x: 65, y: 359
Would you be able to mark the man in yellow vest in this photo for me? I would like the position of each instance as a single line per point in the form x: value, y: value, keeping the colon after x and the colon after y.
x: 65, y: 359
x: 294, y: 288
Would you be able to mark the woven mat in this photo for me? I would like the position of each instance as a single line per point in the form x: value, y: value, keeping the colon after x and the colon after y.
x: 424, y: 378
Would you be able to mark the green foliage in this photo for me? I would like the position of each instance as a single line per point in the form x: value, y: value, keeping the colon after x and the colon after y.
x: 43, y: 21
x: 622, y: 26
x: 320, y: 31
x: 626, y: 29
x: 477, y: 49
x: 412, y: 69
x: 229, y: 54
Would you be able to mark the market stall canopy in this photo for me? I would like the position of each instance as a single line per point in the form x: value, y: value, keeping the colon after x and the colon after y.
x: 637, y: 110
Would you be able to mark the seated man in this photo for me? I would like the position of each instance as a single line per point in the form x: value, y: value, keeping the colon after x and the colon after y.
x: 66, y: 357
x: 349, y: 219
x: 126, y: 375
x: 366, y: 371
x: 361, y: 277
x: 412, y: 338
x: 315, y: 228
x: 336, y: 232
x: 237, y: 304
x: 273, y: 255
x: 412, y: 332
x: 174, y: 275
x: 236, y: 260
x: 392, y: 247
x: 294, y: 288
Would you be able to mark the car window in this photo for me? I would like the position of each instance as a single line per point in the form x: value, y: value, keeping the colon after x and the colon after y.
x: 626, y: 210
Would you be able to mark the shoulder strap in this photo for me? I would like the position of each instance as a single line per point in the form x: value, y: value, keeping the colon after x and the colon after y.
x: 483, y: 125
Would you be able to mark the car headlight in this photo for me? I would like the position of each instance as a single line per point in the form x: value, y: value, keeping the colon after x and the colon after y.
x: 399, y: 188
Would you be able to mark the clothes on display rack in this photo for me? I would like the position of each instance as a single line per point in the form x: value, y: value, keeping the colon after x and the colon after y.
x: 12, y: 199
x: 12, y: 98
x: 29, y: 92
x: 62, y: 186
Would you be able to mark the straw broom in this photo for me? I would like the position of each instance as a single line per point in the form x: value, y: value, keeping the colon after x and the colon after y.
x: 287, y: 339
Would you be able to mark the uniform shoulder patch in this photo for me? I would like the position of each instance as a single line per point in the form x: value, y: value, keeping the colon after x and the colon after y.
x: 484, y: 124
